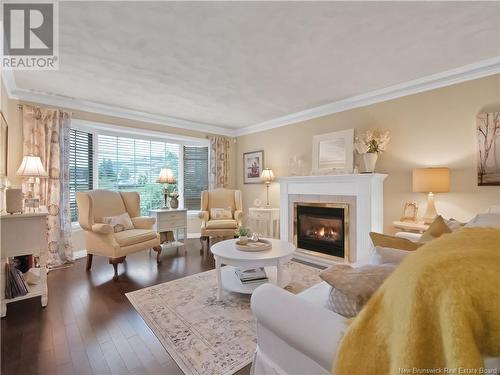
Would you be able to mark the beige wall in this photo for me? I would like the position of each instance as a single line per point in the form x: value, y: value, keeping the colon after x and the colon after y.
x: 435, y: 128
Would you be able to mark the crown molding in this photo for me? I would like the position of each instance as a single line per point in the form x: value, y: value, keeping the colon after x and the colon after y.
x: 115, y: 111
x: 447, y: 78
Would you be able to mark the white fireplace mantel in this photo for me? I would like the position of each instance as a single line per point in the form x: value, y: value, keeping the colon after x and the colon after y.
x: 367, y: 189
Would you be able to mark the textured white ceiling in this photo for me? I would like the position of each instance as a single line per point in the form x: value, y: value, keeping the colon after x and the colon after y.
x: 235, y: 64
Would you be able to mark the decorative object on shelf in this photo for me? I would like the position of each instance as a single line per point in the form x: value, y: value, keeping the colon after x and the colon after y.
x: 488, y: 133
x: 259, y: 245
x: 167, y: 178
x: 32, y: 169
x: 243, y: 234
x: 174, y: 200
x: 431, y: 180
x: 14, y: 200
x: 333, y: 152
x: 410, y: 212
x: 255, y: 237
x: 370, y: 145
x: 295, y: 166
x: 4, y: 184
x: 257, y: 202
x: 268, y: 177
x: 253, y: 164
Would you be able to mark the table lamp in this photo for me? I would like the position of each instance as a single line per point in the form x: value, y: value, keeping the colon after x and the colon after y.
x: 166, y: 177
x: 431, y: 180
x: 31, y: 168
x: 267, y: 176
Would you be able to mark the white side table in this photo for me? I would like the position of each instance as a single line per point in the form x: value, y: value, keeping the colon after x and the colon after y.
x: 24, y: 234
x: 174, y: 220
x: 410, y: 226
x: 226, y: 253
x: 265, y: 221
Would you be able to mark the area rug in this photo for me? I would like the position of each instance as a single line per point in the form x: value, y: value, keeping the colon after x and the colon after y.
x: 202, y: 335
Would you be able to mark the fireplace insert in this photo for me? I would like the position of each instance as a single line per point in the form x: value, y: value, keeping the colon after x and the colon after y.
x: 322, y: 228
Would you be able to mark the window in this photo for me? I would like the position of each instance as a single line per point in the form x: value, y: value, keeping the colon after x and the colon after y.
x: 195, y: 175
x: 80, y: 166
x: 128, y: 164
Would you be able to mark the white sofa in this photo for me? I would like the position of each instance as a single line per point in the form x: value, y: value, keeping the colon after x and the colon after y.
x: 298, y: 334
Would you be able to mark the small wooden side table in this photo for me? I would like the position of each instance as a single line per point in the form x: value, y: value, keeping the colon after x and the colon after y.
x: 173, y: 220
x: 411, y: 226
x: 24, y: 234
x: 265, y: 218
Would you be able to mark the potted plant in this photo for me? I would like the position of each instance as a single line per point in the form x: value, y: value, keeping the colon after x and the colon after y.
x: 370, y: 145
x: 243, y: 234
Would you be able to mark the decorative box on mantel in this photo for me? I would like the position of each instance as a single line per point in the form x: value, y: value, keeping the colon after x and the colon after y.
x: 329, y: 218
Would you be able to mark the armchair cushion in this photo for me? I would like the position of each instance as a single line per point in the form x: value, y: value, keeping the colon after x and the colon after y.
x: 134, y: 236
x: 143, y: 222
x: 102, y: 228
x: 221, y: 224
x: 120, y: 222
x: 221, y: 213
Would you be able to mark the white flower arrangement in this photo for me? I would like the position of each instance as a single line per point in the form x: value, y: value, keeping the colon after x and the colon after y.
x: 372, y: 141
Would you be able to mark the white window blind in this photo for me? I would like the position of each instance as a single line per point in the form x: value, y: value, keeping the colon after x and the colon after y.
x: 80, y: 166
x: 195, y: 175
x: 128, y: 164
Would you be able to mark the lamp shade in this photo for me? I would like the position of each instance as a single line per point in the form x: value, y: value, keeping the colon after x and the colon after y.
x: 166, y: 176
x: 267, y: 175
x: 431, y: 180
x: 31, y: 166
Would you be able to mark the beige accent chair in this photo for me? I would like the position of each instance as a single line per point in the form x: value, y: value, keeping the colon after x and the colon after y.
x: 220, y: 198
x: 100, y: 238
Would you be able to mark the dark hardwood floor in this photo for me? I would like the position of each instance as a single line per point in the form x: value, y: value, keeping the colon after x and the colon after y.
x: 89, y: 326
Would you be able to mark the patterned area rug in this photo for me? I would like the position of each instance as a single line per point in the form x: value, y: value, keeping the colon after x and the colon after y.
x: 202, y: 335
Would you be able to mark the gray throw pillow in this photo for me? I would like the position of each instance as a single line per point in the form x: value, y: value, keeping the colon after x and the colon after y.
x: 353, y: 287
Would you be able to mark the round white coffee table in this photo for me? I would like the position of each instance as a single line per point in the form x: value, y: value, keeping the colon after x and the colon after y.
x: 226, y: 253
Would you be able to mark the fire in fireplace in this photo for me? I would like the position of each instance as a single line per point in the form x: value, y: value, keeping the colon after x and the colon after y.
x: 322, y: 228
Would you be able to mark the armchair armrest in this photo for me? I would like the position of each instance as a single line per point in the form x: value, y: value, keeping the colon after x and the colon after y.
x: 203, y: 215
x: 143, y: 222
x: 238, y: 216
x: 319, y: 332
x: 102, y: 228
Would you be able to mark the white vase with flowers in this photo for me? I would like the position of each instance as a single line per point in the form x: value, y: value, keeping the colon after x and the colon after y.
x: 370, y: 144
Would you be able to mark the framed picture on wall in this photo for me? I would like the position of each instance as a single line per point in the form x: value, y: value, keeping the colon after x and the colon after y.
x: 488, y: 133
x: 333, y: 152
x: 253, y: 164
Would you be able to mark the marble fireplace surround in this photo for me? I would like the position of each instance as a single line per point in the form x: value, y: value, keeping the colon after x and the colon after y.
x: 363, y: 193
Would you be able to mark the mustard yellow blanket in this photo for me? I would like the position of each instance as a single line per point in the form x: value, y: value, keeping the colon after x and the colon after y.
x: 439, y: 309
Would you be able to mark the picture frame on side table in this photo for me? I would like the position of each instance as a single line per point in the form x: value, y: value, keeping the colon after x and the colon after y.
x: 410, y: 212
x: 253, y: 164
x: 333, y: 152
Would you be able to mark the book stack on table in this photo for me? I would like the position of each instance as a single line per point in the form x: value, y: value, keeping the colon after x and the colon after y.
x: 252, y: 275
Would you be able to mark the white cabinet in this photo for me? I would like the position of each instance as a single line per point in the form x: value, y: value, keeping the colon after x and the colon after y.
x: 171, y: 220
x: 24, y: 234
x: 265, y: 221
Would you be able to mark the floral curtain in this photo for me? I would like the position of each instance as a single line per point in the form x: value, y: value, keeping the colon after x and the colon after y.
x: 219, y: 162
x: 46, y: 134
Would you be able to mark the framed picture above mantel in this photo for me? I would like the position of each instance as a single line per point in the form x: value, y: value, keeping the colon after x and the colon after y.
x: 333, y: 152
x: 253, y: 164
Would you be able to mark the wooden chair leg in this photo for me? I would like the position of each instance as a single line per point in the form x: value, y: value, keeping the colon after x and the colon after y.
x: 89, y: 261
x: 158, y: 253
x: 115, y: 262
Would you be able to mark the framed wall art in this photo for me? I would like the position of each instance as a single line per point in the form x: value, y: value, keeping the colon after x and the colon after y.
x: 253, y: 164
x: 333, y: 152
x: 488, y: 133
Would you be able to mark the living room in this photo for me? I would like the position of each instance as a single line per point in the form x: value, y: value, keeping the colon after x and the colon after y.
x: 250, y: 187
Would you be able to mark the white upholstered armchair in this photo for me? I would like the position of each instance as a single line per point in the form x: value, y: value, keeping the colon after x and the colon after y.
x: 101, y: 238
x: 220, y: 199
